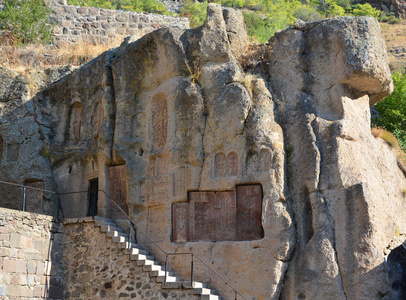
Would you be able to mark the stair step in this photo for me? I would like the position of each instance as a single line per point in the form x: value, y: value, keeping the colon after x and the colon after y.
x: 152, y: 267
x: 105, y: 228
x: 169, y: 278
x: 210, y: 297
x: 119, y: 239
x: 172, y: 285
x: 134, y: 250
x: 113, y: 233
x: 203, y: 291
x: 195, y: 284
x: 156, y: 273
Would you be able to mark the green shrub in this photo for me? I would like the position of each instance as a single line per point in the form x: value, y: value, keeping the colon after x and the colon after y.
x: 388, y: 18
x: 27, y: 20
x: 366, y: 9
x: 196, y: 12
x: 151, y: 6
x: 392, y: 110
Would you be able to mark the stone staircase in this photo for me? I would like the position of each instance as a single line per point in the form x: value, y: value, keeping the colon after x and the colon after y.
x: 138, y: 254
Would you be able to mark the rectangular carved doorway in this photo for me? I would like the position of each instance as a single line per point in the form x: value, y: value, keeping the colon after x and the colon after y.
x: 92, y: 195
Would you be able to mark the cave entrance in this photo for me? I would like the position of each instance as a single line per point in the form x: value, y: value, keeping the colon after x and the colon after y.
x: 92, y: 195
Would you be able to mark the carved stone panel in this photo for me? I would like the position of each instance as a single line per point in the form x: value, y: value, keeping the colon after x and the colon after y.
x: 163, y: 164
x: 34, y: 198
x: 225, y: 216
x: 162, y: 188
x: 253, y: 163
x: 232, y: 164
x: 180, y: 221
x: 249, y: 199
x: 179, y: 182
x: 77, y: 113
x: 13, y: 152
x: 265, y: 160
x: 202, y: 216
x: 118, y: 190
x: 220, y: 165
x: 159, y: 120
x: 152, y: 171
x: 156, y: 222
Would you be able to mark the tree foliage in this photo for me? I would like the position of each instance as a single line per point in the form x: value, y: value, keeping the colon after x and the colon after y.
x: 151, y: 6
x: 392, y: 110
x: 27, y: 20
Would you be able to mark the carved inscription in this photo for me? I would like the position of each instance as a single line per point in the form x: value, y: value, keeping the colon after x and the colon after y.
x: 179, y: 182
x: 34, y: 198
x: 160, y: 120
x: 220, y: 161
x: 180, y: 222
x: 226, y: 165
x: 156, y: 216
x: 163, y: 164
x: 220, y: 216
x: 13, y: 151
x: 118, y: 190
x: 259, y: 162
x: 77, y: 113
x: 265, y: 160
x: 225, y: 212
x: 232, y: 164
x: 249, y: 199
x: 158, y: 187
x: 202, y: 216
x: 161, y: 188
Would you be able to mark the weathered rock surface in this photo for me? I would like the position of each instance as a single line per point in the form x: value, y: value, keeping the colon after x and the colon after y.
x: 185, y: 128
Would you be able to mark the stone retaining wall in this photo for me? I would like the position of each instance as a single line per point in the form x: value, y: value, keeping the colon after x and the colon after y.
x: 77, y: 23
x: 96, y: 268
x: 30, y: 256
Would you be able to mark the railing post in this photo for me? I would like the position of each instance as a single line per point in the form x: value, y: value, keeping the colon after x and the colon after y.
x: 24, y: 194
x: 129, y: 239
x: 191, y: 272
x: 166, y: 267
x: 236, y: 295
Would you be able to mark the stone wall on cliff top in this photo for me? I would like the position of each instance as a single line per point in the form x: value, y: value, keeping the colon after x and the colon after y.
x: 76, y: 23
x: 259, y: 160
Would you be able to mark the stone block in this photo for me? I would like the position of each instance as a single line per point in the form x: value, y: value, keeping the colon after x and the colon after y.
x: 14, y: 290
x: 15, y: 279
x: 9, y: 265
x: 21, y: 266
x: 33, y: 256
x: 40, y: 268
x: 38, y: 291
x: 31, y: 267
x: 3, y: 290
x: 25, y: 242
x: 123, y: 17
x: 15, y: 240
x: 4, y: 236
x: 83, y: 10
x: 30, y: 280
x: 25, y: 291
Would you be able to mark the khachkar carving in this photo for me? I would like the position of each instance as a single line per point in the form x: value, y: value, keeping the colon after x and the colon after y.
x: 97, y: 118
x: 159, y: 120
x: 259, y: 162
x: 225, y: 212
x: 158, y: 185
x: 226, y: 165
x: 180, y: 222
x: 118, y: 191
x: 249, y: 198
x: 179, y: 182
x: 220, y: 216
x: 202, y: 216
x: 34, y: 198
x: 76, y: 117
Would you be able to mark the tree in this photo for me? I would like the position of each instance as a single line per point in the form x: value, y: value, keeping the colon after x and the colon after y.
x: 27, y: 20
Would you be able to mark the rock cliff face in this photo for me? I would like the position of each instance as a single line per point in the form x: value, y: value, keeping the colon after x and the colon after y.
x: 260, y: 160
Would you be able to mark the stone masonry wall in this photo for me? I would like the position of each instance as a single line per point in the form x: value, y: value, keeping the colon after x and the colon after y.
x: 96, y: 268
x: 77, y: 23
x: 30, y: 256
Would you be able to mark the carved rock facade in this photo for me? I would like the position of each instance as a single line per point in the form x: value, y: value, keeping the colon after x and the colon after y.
x: 260, y: 162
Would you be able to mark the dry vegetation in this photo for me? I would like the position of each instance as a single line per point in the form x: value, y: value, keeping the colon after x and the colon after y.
x: 391, y: 140
x: 395, y: 37
x: 24, y: 58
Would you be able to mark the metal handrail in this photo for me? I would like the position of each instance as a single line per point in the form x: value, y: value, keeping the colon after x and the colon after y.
x: 134, y: 225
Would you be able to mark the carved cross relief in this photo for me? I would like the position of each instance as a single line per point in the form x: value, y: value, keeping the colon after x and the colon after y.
x: 219, y: 216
